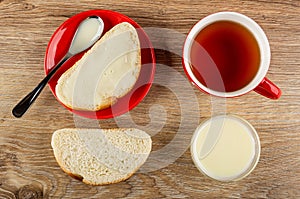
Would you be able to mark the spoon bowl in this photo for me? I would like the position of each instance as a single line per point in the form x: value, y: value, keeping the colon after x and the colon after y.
x: 87, y: 33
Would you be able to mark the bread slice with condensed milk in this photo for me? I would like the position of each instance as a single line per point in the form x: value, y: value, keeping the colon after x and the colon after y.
x: 106, y: 72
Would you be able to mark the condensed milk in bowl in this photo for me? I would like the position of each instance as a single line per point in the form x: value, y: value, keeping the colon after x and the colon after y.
x: 225, y: 148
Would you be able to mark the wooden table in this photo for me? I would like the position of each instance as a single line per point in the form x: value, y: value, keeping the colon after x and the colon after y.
x: 27, y: 165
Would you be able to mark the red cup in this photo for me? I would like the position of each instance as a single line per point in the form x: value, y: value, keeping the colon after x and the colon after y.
x: 259, y: 83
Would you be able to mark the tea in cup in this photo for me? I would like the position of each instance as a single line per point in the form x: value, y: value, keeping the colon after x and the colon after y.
x: 227, y: 54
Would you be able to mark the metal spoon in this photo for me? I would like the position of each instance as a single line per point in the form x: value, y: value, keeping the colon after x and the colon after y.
x: 87, y: 33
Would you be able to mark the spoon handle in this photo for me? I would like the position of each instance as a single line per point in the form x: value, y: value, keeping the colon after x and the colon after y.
x: 26, y: 102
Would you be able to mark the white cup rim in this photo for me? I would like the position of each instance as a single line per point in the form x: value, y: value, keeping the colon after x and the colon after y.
x: 253, y: 27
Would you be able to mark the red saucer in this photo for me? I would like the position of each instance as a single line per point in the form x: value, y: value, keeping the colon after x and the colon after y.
x: 60, y: 42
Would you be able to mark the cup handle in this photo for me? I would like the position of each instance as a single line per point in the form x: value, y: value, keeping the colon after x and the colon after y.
x: 268, y: 89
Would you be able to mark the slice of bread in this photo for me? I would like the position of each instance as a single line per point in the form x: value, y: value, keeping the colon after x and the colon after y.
x: 106, y: 72
x: 101, y: 156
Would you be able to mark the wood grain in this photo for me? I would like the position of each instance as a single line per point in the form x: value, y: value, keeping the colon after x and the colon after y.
x: 27, y: 165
